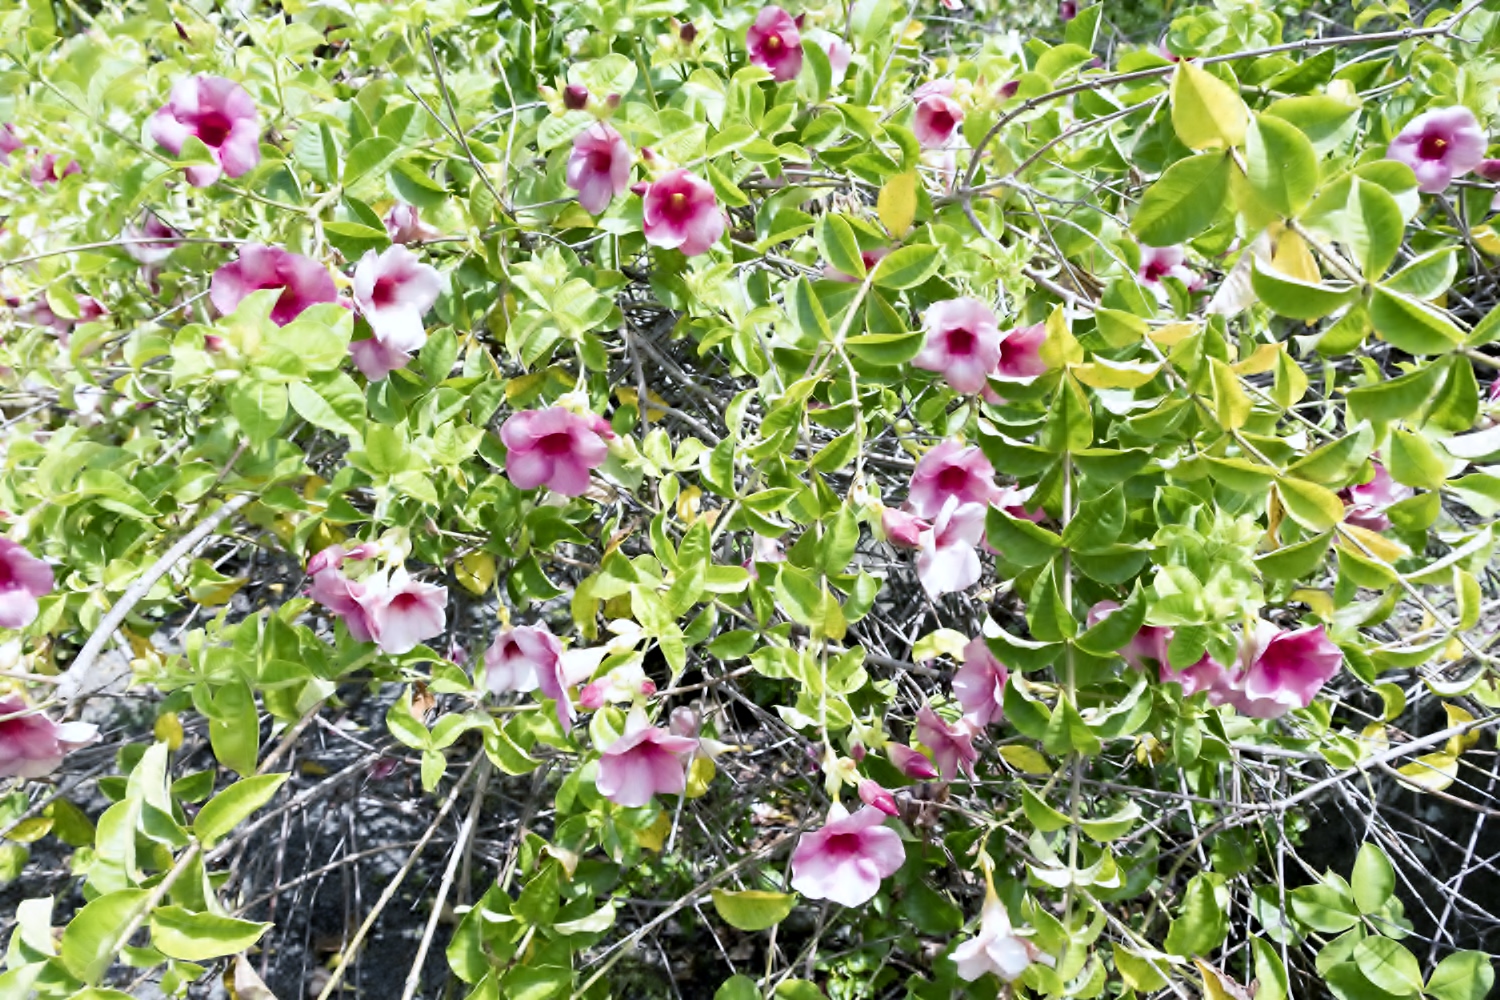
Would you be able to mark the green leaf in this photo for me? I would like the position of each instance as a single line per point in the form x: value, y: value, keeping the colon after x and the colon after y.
x: 1293, y: 562
x: 886, y: 349
x: 1374, y: 880
x: 1315, y: 507
x: 234, y: 727
x: 92, y: 938
x: 1388, y: 965
x: 1269, y: 971
x: 234, y: 804
x: 1206, y: 111
x: 260, y: 407
x: 753, y: 909
x: 907, y: 267
x: 1114, y: 826
x: 1397, y: 398
x: 198, y: 937
x: 1373, y: 227
x: 1287, y: 296
x: 1200, y: 926
x: 1323, y: 908
x: 737, y: 988
x: 1183, y: 202
x: 1023, y: 542
x: 1281, y: 165
x: 1412, y: 461
x: 836, y: 242
x: 367, y: 156
x: 1411, y: 325
x: 1463, y: 975
x: 332, y: 401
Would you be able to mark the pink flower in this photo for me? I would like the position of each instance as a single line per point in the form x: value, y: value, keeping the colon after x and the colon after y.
x: 950, y: 470
x: 1205, y: 675
x: 39, y: 313
x: 23, y: 580
x: 910, y: 762
x: 520, y: 657
x: 403, y: 225
x: 303, y: 281
x: 599, y: 167
x: 9, y: 142
x: 31, y: 744
x: 952, y: 745
x: 870, y: 259
x: 221, y: 115
x: 996, y: 948
x: 1012, y: 500
x: 44, y: 169
x: 402, y: 612
x: 342, y: 596
x: 393, y: 290
x: 846, y: 860
x: 1166, y: 262
x: 947, y: 559
x: 871, y: 793
x: 679, y: 212
x: 554, y: 448
x: 901, y: 528
x: 1488, y: 170
x: 979, y: 685
x: 774, y: 43
x: 151, y: 242
x: 1146, y: 649
x: 1439, y: 145
x: 684, y: 721
x: 963, y: 343
x: 1365, y: 504
x: 839, y: 57
x: 645, y: 761
x: 937, y: 120
x: 1021, y: 352
x: 376, y: 359
x: 1281, y: 670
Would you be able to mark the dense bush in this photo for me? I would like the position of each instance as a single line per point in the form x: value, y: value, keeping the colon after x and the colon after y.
x: 864, y: 500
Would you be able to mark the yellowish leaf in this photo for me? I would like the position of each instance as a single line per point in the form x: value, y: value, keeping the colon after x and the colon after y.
x: 700, y: 775
x: 654, y: 836
x: 476, y: 571
x: 1430, y: 772
x: 1025, y: 759
x: 1172, y: 335
x: 1206, y: 111
x: 1456, y: 745
x: 897, y: 204
x: 1384, y: 548
x: 168, y: 730
x: 1292, y: 257
x: 1262, y: 359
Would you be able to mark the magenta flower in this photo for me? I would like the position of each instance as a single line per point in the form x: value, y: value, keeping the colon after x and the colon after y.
x: 679, y: 212
x: 24, y: 579
x: 9, y: 142
x: 1166, y: 262
x: 221, y: 115
x: 303, y: 281
x: 554, y: 448
x: 151, y: 242
x: 1013, y: 500
x: 599, y: 167
x: 937, y: 119
x: 996, y: 948
x: 979, y: 685
x: 947, y: 558
x: 393, y: 290
x: 873, y: 794
x: 1439, y: 145
x: 1365, y: 504
x: 901, y: 528
x: 1281, y: 670
x: 846, y: 860
x: 963, y: 343
x: 403, y: 225
x: 402, y: 612
x: 333, y: 557
x: 520, y: 657
x: 950, y: 470
x: 376, y: 359
x: 646, y: 761
x: 31, y: 744
x: 774, y: 43
x: 909, y: 762
x: 952, y: 745
x: 870, y: 259
x: 44, y: 169
x: 1021, y: 352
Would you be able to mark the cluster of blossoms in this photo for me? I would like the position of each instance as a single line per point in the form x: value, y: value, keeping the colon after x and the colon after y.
x: 384, y: 606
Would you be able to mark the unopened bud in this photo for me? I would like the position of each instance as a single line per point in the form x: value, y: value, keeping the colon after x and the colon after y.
x: 575, y: 96
x: 872, y: 794
x: 688, y: 33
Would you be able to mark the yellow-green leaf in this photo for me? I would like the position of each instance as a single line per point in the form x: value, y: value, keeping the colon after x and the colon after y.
x: 753, y: 909
x: 897, y: 204
x: 1206, y: 111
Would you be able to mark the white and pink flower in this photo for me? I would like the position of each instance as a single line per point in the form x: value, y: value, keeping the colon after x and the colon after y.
x: 31, y: 744
x: 221, y: 115
x: 1439, y: 145
x: 644, y: 762
x: 554, y: 448
x: 599, y: 167
x: 775, y: 44
x: 962, y: 343
x: 847, y: 859
x: 679, y: 211
x: 24, y: 579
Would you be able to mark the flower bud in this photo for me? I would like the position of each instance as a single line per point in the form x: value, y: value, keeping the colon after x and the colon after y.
x: 575, y: 96
x: 872, y: 794
x: 591, y: 697
x: 688, y: 33
x: 1008, y: 90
